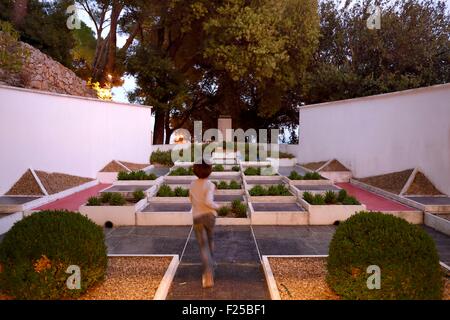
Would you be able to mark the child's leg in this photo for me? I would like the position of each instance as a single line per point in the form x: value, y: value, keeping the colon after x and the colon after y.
x: 202, y: 239
x: 209, y: 227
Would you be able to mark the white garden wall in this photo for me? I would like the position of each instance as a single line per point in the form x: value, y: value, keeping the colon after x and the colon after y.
x: 382, y: 134
x: 68, y: 134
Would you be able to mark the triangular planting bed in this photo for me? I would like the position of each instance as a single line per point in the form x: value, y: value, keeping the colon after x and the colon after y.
x: 392, y: 182
x: 314, y: 165
x: 422, y: 186
x: 115, y: 166
x: 334, y: 166
x: 25, y: 186
x: 58, y: 182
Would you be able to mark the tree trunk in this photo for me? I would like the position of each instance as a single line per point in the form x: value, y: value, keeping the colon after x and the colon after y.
x: 19, y: 12
x: 158, y: 133
x: 167, y: 127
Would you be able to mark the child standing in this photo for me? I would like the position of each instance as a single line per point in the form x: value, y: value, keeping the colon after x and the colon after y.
x: 201, y: 194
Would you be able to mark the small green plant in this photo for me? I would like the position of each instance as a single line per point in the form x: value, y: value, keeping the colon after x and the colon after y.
x: 166, y: 191
x: 138, y: 195
x: 330, y: 197
x: 224, y: 211
x: 236, y: 168
x: 251, y: 171
x: 161, y: 157
x: 218, y: 168
x: 308, y: 197
x: 12, y: 53
x: 94, y: 202
x: 234, y: 185
x: 180, y: 192
x: 239, y: 209
x: 278, y: 190
x: 117, y: 200
x: 135, y: 175
x: 312, y: 176
x: 295, y: 176
x: 105, y: 197
x: 182, y: 172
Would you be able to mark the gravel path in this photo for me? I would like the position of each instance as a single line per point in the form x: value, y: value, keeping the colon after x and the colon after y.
x: 130, y: 278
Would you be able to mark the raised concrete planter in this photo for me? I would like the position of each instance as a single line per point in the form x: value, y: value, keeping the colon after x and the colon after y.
x: 232, y: 221
x: 107, y: 177
x: 294, y: 215
x: 175, y: 178
x: 138, y: 182
x: 283, y: 162
x: 414, y: 217
x: 247, y: 164
x: 162, y: 218
x: 309, y: 182
x: 8, y: 220
x: 229, y: 175
x: 329, y: 214
x: 118, y: 215
x: 13, y: 204
x: 337, y: 176
x: 437, y: 223
x: 182, y: 164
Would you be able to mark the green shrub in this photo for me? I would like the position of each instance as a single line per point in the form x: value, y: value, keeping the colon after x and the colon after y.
x: 105, y: 197
x: 218, y: 168
x: 165, y: 191
x: 295, y: 176
x: 223, y: 185
x: 161, y: 157
x: 135, y: 175
x: 312, y: 176
x: 94, y: 202
x: 278, y: 190
x: 224, y: 211
x: 330, y: 197
x: 342, y: 195
x: 239, y: 209
x: 308, y: 197
x: 234, y: 185
x: 180, y: 192
x: 236, y: 168
x: 37, y: 251
x: 251, y: 171
x: 182, y: 172
x: 138, y: 195
x: 405, y: 253
x: 117, y: 200
x: 318, y: 200
x: 350, y: 201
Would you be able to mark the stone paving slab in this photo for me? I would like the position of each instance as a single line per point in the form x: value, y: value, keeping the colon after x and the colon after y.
x: 159, y: 171
x: 16, y: 199
x: 435, y: 201
x: 286, y: 171
x: 146, y: 240
x: 127, y: 188
x: 238, y: 275
x: 271, y: 182
x: 227, y: 198
x: 167, y: 207
x: 268, y: 207
x: 316, y: 188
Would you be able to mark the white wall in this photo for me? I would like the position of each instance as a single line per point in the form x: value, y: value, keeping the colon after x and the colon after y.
x: 382, y: 134
x: 74, y: 135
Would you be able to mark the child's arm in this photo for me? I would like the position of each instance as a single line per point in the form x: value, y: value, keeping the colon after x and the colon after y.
x: 210, y: 198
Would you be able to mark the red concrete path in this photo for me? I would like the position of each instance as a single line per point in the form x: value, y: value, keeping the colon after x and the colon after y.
x: 373, y: 201
x: 74, y: 201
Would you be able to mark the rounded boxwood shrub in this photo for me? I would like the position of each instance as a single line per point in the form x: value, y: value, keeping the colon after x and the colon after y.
x: 405, y: 253
x: 37, y: 251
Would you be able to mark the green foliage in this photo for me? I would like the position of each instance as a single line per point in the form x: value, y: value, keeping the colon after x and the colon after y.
x: 138, y: 195
x: 105, y: 197
x: 405, y: 253
x: 330, y: 198
x: 180, y: 192
x: 251, y: 171
x: 312, y: 176
x: 236, y: 168
x: 294, y: 175
x: 308, y: 197
x: 233, y: 185
x: 37, y: 251
x: 276, y: 190
x: 218, y: 168
x: 237, y: 210
x: 135, y: 175
x: 12, y: 54
x: 182, y: 172
x: 166, y: 191
x: 161, y: 157
x: 94, y: 202
x: 117, y: 200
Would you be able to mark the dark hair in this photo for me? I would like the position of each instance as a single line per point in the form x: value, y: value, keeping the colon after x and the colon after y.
x: 202, y: 170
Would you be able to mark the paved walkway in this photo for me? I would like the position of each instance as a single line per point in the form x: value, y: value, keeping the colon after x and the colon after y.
x: 238, y: 275
x: 74, y: 201
x: 373, y: 201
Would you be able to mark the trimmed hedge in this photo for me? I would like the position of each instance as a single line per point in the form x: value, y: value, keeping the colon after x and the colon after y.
x: 275, y: 190
x: 161, y: 157
x: 405, y: 253
x: 166, y: 191
x: 135, y: 175
x: 37, y: 251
